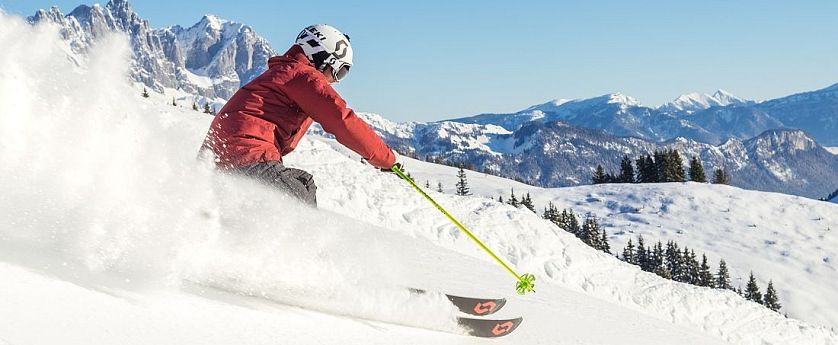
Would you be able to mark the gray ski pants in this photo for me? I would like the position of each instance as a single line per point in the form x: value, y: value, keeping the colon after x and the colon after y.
x: 294, y: 182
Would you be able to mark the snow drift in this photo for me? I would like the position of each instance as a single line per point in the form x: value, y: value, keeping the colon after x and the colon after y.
x: 107, y: 217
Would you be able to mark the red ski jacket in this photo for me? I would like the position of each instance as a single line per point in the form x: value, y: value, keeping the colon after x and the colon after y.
x: 266, y: 118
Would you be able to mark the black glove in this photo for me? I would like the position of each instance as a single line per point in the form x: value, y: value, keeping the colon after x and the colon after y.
x: 399, y: 165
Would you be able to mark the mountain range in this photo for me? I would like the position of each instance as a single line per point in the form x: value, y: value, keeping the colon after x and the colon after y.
x: 705, y: 118
x: 555, y: 153
x: 770, y: 145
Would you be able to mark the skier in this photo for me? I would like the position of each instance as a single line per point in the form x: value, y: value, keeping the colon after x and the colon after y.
x: 266, y: 118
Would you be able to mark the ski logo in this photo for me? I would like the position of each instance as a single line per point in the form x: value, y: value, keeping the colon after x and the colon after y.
x: 484, y: 307
x: 502, y: 328
x: 341, y: 49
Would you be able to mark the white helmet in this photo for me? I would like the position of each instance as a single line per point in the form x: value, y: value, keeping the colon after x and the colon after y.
x: 326, y: 46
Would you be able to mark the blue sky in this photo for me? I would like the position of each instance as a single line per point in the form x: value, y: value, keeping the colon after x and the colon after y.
x: 432, y: 60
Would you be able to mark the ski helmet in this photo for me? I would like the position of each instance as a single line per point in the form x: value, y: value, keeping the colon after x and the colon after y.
x: 326, y: 46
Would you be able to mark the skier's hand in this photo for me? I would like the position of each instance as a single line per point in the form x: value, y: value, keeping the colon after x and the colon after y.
x: 390, y: 170
x: 397, y: 164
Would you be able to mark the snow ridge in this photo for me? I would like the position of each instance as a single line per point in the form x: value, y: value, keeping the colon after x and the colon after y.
x: 693, y: 102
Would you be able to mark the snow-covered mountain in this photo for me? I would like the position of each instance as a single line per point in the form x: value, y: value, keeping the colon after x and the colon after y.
x: 121, y: 236
x: 815, y: 111
x: 692, y: 102
x: 558, y: 154
x: 212, y: 59
x: 617, y: 113
x: 706, y: 118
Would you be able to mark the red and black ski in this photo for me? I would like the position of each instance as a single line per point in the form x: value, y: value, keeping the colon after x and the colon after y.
x: 473, y: 305
x: 484, y: 328
x: 489, y: 328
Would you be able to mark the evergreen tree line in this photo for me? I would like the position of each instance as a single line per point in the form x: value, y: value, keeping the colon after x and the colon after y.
x: 661, y: 166
x: 589, y: 231
x: 669, y: 262
x: 525, y: 201
x: 831, y: 195
x: 682, y: 265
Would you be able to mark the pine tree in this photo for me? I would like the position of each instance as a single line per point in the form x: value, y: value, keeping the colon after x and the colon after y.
x: 705, y: 278
x: 207, y: 109
x: 641, y: 170
x: 174, y: 102
x: 603, y: 241
x: 145, y: 93
x: 599, y: 175
x: 626, y: 171
x: 439, y: 187
x: 551, y: 213
x: 675, y: 168
x: 641, y: 256
x: 500, y: 199
x: 526, y: 201
x: 462, y: 183
x: 720, y: 176
x: 752, y: 290
x: 652, y: 170
x: 567, y: 220
x: 656, y: 258
x: 673, y: 260
x: 697, y: 170
x: 573, y: 224
x: 661, y: 162
x: 427, y: 184
x: 723, y: 276
x: 194, y: 106
x: 590, y: 233
x: 693, y: 267
x: 628, y: 253
x: 512, y: 199
x: 771, y: 301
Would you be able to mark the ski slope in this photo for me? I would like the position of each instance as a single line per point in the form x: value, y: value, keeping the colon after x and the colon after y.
x: 113, y: 232
x: 789, y: 239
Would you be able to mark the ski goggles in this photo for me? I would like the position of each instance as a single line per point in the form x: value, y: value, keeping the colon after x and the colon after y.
x: 340, y: 72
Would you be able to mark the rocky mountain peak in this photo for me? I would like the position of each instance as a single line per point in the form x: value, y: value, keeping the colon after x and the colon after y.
x: 211, y: 59
x: 779, y: 141
x: 619, y: 98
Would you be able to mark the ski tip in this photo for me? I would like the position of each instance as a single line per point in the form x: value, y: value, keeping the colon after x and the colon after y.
x: 489, y: 328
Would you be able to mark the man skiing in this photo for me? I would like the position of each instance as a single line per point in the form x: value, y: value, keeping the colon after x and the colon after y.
x: 266, y: 118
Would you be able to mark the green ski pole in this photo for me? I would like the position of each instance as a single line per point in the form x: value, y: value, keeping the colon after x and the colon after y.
x: 525, y: 283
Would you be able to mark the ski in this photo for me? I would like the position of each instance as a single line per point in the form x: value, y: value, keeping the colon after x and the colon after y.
x: 472, y: 305
x: 484, y: 328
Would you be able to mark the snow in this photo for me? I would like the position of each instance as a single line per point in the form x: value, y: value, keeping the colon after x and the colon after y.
x: 785, y: 238
x: 833, y: 150
x: 550, y: 106
x: 114, y: 233
x: 619, y: 98
x: 692, y: 102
